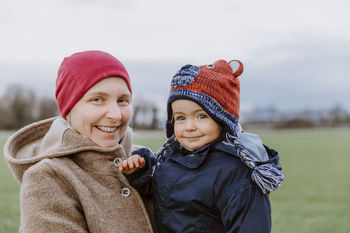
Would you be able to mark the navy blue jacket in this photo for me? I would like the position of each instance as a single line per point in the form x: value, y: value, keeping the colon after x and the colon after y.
x: 206, y: 190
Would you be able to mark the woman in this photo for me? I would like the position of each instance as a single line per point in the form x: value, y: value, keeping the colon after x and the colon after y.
x: 68, y: 166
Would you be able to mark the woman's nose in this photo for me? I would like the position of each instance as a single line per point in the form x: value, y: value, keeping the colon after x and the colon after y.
x: 114, y: 112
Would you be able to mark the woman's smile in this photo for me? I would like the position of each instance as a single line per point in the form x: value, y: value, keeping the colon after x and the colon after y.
x: 107, y: 129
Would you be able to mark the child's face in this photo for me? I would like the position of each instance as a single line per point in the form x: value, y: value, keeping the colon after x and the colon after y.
x: 193, y: 127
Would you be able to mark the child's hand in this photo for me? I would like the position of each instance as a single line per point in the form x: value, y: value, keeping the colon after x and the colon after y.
x: 131, y: 164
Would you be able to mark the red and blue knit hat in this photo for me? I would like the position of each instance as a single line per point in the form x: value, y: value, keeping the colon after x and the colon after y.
x: 216, y: 89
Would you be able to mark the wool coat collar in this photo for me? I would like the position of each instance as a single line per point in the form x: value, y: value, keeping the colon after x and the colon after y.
x: 54, y: 138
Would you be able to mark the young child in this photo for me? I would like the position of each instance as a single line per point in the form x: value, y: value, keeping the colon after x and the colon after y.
x: 210, y: 176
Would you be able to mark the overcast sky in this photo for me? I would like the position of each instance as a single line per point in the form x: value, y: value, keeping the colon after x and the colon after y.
x: 296, y: 53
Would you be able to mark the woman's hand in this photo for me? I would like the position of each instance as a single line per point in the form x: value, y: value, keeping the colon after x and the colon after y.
x: 131, y: 164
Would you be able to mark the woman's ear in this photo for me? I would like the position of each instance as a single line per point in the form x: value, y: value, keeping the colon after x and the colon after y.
x: 237, y: 67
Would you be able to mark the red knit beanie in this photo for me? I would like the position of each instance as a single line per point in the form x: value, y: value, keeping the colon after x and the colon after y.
x: 80, y: 71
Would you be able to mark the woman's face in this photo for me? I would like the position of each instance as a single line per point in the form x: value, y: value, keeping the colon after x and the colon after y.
x: 103, y: 113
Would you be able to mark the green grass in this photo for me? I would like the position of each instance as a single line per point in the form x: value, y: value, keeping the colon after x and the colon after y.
x: 9, y: 194
x: 315, y: 194
x: 314, y: 198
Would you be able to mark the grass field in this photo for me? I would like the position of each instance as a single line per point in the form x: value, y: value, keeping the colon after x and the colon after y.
x: 314, y: 198
x: 9, y: 194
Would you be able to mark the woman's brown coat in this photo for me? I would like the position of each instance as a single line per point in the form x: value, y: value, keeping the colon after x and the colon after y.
x: 68, y: 184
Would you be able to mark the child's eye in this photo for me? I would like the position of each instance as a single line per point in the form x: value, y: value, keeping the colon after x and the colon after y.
x: 180, y: 118
x: 202, y: 116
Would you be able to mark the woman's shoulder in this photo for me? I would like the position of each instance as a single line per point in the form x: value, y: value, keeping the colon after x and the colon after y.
x: 46, y: 169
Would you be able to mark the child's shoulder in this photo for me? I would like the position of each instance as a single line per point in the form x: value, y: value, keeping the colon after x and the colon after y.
x: 229, y: 171
x: 252, y: 142
x: 224, y: 157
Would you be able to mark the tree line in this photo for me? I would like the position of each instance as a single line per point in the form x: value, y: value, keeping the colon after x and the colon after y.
x: 20, y: 106
x: 334, y: 117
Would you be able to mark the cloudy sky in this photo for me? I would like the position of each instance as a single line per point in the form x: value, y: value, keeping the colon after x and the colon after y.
x: 296, y: 53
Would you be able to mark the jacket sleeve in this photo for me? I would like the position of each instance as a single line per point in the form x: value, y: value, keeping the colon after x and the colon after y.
x: 48, y: 203
x: 141, y: 179
x: 246, y: 210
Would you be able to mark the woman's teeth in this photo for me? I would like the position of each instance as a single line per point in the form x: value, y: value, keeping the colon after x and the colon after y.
x: 107, y: 129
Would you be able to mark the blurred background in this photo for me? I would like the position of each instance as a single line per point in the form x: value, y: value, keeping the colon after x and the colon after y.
x: 294, y: 90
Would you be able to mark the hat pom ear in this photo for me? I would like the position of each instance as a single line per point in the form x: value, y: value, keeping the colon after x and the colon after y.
x: 237, y: 67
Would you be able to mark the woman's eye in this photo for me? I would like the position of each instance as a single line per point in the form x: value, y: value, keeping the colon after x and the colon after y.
x: 202, y: 116
x: 124, y: 100
x: 97, y: 99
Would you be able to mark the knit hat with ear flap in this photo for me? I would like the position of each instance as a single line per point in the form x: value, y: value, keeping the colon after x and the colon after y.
x: 216, y: 89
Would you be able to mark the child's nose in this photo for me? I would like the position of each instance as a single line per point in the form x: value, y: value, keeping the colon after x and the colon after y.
x: 190, y: 125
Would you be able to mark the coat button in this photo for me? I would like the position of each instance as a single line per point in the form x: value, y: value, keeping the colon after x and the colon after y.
x: 125, y: 192
x: 117, y: 162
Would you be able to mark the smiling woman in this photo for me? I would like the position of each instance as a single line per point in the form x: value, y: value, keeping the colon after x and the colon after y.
x: 68, y: 166
x: 103, y: 113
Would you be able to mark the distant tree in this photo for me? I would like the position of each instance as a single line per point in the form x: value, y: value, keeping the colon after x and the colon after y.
x: 338, y: 116
x: 19, y: 104
x: 295, y: 123
x: 6, y: 121
x: 145, y: 114
x: 135, y: 113
x: 154, y: 124
x: 47, y: 107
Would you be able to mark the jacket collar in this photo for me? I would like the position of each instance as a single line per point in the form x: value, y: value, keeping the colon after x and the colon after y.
x: 193, y: 159
x: 53, y: 138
